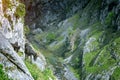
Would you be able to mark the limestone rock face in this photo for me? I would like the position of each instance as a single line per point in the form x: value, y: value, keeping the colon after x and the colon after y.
x: 40, y: 62
x: 11, y: 31
x: 11, y: 25
x: 13, y: 64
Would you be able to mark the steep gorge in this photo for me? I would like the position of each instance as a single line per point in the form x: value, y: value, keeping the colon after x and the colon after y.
x: 75, y: 39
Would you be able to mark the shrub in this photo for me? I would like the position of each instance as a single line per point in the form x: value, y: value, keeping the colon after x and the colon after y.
x: 109, y: 18
x: 20, y: 10
x: 26, y: 30
x: 116, y: 74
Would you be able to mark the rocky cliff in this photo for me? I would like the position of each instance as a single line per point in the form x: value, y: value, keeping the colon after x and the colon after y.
x: 44, y: 13
x: 15, y: 64
x: 73, y: 39
x: 11, y: 31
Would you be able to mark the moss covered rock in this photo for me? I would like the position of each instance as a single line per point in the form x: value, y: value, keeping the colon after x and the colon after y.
x: 20, y: 10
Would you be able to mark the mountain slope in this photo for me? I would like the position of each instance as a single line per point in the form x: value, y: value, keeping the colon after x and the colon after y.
x: 87, y: 44
x: 72, y: 39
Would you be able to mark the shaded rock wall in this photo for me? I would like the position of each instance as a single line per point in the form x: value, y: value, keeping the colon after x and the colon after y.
x: 46, y: 13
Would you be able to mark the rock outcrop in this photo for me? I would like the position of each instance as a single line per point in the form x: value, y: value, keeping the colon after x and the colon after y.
x: 11, y: 31
x: 46, y: 14
x: 12, y: 63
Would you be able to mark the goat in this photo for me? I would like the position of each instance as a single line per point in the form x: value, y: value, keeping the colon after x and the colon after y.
x: 15, y: 46
x: 29, y: 52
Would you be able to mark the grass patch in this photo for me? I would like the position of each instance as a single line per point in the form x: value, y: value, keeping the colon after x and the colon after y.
x: 20, y: 53
x: 76, y: 72
x: 116, y: 46
x: 104, y: 62
x: 89, y: 56
x: 39, y: 75
x: 3, y: 75
x: 116, y: 74
x: 51, y: 37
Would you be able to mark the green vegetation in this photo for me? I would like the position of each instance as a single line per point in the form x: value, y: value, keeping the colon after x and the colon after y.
x: 116, y: 74
x: 40, y: 37
x: 26, y: 30
x: 50, y: 37
x: 20, y: 10
x: 60, y: 38
x: 99, y: 60
x: 50, y: 56
x: 109, y: 18
x: 76, y: 72
x: 3, y: 75
x: 49, y: 74
x: 20, y: 53
x: 37, y: 74
x: 116, y: 46
x: 75, y: 20
x: 104, y: 61
x: 89, y: 56
x: 70, y: 31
